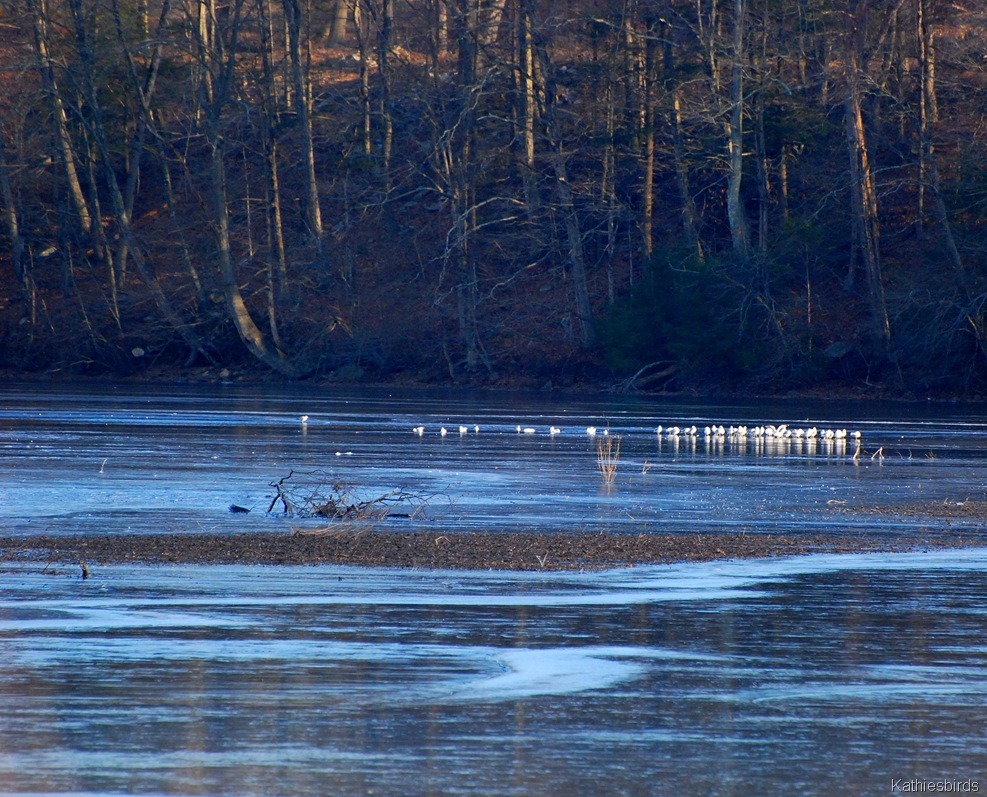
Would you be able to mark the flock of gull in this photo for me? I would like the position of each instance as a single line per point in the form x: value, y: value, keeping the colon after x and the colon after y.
x: 780, y: 431
x: 770, y: 431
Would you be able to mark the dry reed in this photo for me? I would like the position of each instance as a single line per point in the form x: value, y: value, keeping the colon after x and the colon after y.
x: 607, y: 457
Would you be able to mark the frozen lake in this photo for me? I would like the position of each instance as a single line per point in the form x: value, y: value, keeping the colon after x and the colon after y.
x: 818, y: 675
x: 814, y: 675
x: 174, y: 459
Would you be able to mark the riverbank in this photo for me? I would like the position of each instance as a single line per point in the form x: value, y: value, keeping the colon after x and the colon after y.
x: 460, y: 551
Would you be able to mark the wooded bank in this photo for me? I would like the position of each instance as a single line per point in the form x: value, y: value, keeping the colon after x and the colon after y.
x: 665, y: 195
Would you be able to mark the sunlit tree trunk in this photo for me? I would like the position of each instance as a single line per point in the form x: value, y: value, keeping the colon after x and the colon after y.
x: 632, y: 71
x: 528, y: 106
x: 256, y: 342
x: 648, y: 158
x: 928, y: 58
x: 63, y: 140
x: 708, y: 31
x: 928, y: 105
x: 278, y: 265
x: 336, y: 33
x: 218, y: 63
x: 202, y: 39
x: 311, y: 206
x: 362, y: 15
x: 385, y: 28
x: 725, y: 60
x: 736, y: 214
x: 763, y: 71
x: 866, y: 219
x: 441, y: 25
x: 143, y: 87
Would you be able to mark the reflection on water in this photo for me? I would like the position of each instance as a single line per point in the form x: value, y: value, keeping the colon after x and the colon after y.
x: 174, y: 459
x: 814, y: 675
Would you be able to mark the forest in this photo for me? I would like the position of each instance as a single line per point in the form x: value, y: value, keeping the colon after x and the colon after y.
x: 658, y: 195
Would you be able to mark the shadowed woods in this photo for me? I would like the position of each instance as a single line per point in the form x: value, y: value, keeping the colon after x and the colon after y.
x: 688, y: 196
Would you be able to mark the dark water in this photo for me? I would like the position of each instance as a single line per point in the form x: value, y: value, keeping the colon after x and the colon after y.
x: 816, y: 675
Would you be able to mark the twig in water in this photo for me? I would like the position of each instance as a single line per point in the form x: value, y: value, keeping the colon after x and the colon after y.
x: 319, y: 495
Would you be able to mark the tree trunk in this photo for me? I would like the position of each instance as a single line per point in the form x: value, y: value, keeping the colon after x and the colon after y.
x: 574, y: 236
x: 441, y: 26
x: 863, y: 194
x: 648, y: 178
x: 928, y: 58
x: 63, y: 141
x: 10, y: 218
x: 278, y: 261
x: 928, y: 106
x: 313, y: 212
x: 363, y: 41
x: 220, y: 59
x: 200, y: 294
x: 690, y: 223
x: 144, y: 91
x: 736, y: 214
x: 97, y: 130
x: 462, y: 175
x: 252, y: 336
x: 337, y: 26
x: 385, y: 26
x: 528, y: 105
x: 761, y: 146
x: 489, y: 21
x: 563, y: 191
x: 101, y: 242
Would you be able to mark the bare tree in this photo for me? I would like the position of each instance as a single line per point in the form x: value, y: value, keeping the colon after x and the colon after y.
x: 863, y: 192
x: 122, y: 217
x: 336, y: 31
x: 734, y: 121
x: 218, y: 58
x: 303, y: 110
x: 63, y: 139
x: 558, y: 156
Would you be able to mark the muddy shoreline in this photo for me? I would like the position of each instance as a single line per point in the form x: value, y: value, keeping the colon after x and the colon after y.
x: 437, y: 550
